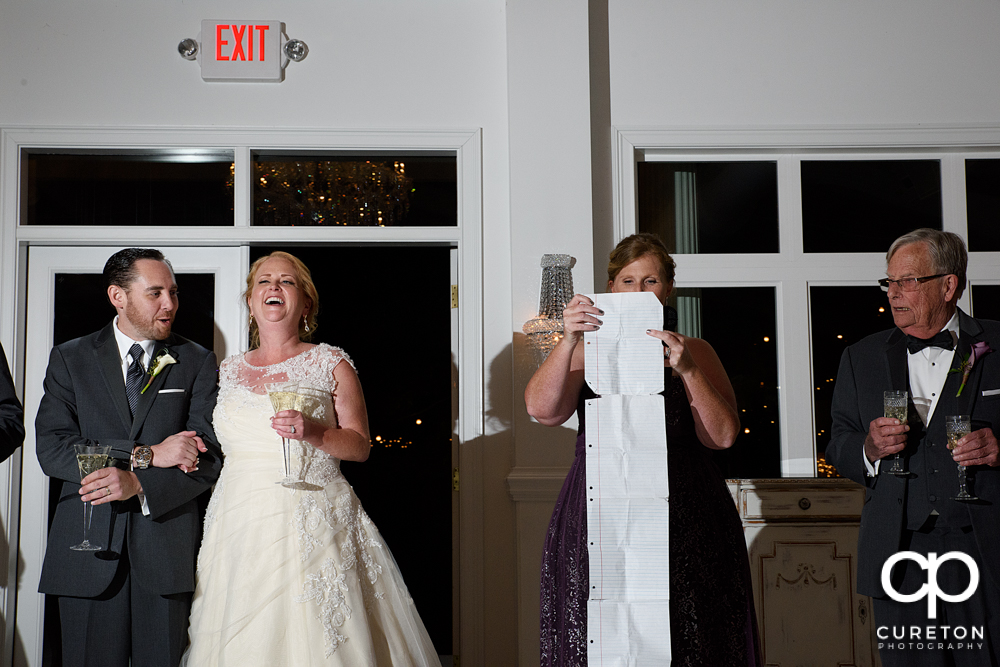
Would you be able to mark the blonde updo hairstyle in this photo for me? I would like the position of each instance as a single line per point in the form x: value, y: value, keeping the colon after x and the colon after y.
x: 305, y: 283
x: 638, y: 245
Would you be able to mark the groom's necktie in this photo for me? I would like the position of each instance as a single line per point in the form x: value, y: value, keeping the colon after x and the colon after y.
x: 133, y: 379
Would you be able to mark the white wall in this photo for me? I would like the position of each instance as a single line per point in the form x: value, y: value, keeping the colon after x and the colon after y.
x: 785, y: 62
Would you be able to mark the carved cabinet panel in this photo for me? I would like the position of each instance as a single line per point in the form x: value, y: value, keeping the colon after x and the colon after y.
x: 802, y: 541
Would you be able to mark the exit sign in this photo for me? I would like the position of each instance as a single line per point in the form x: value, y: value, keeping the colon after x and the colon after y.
x: 241, y: 51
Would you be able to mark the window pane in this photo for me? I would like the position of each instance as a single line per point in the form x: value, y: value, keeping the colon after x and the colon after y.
x: 748, y: 351
x: 865, y: 205
x: 986, y: 302
x: 982, y: 192
x: 129, y: 190
x: 393, y: 191
x: 841, y: 316
x: 82, y: 306
x: 710, y: 207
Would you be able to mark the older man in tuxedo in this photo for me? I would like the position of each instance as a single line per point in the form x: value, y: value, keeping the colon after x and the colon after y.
x: 148, y: 394
x: 945, y: 360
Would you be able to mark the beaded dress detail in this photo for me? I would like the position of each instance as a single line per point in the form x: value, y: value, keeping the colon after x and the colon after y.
x: 712, y: 619
x: 292, y: 577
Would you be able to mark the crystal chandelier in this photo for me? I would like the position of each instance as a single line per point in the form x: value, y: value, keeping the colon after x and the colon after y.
x: 368, y: 193
x: 546, y: 330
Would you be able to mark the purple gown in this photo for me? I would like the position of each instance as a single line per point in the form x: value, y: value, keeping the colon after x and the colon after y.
x: 712, y: 619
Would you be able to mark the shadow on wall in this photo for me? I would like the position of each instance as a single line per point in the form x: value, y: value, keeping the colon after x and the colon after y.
x: 20, y: 657
x: 544, y: 455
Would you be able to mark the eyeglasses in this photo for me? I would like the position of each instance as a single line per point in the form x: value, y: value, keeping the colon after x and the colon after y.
x: 908, y: 284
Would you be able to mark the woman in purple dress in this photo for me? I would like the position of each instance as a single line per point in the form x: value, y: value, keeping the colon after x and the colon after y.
x: 712, y: 619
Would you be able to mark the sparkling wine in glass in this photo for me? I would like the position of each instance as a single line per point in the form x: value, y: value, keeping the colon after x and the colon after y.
x: 957, y: 427
x: 89, y: 458
x: 287, y: 396
x: 894, y: 405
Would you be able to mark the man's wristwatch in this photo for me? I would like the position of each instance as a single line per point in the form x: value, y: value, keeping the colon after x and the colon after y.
x: 142, y: 457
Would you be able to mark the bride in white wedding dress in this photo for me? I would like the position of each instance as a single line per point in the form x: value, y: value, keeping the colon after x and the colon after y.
x: 295, y: 577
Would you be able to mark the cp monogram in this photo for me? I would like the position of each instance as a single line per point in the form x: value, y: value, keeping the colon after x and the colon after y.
x: 931, y: 589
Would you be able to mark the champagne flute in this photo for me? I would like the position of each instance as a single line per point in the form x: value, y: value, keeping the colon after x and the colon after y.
x: 286, y: 396
x: 894, y: 405
x: 957, y: 427
x: 89, y: 458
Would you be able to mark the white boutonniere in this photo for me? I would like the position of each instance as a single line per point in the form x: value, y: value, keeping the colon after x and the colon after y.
x: 159, y: 362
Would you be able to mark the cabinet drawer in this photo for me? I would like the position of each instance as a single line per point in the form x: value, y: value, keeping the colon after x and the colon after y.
x: 801, y: 502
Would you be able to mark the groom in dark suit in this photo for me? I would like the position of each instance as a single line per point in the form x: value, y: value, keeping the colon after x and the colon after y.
x: 149, y: 395
x: 945, y: 360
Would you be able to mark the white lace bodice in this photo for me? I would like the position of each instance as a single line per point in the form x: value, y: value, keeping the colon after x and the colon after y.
x: 243, y: 412
x: 314, y: 368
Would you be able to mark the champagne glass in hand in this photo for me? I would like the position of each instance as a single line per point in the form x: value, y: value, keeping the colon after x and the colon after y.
x: 284, y: 396
x: 89, y: 458
x: 957, y: 427
x: 894, y: 405
x: 287, y: 396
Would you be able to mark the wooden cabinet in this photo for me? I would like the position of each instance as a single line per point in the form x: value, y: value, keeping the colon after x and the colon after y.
x: 802, y: 538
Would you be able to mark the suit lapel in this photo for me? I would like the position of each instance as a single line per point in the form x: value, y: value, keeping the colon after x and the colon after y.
x: 970, y: 332
x: 950, y: 403
x: 110, y: 363
x: 895, y: 359
x: 146, y: 398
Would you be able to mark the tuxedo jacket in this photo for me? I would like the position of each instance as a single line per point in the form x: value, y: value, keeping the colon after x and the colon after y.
x: 11, y: 414
x: 879, y: 363
x: 85, y: 403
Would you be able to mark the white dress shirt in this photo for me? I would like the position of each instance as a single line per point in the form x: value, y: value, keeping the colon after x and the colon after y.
x: 928, y: 370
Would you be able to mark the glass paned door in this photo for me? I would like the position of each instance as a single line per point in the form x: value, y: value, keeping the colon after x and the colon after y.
x: 67, y: 299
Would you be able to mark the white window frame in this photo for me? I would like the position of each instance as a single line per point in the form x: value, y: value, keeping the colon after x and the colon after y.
x: 465, y: 237
x: 790, y: 271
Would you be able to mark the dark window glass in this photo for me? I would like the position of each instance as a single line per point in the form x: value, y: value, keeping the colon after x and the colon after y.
x: 986, y: 301
x: 982, y: 193
x: 82, y: 306
x: 841, y: 316
x: 410, y: 462
x: 710, y: 207
x: 129, y: 190
x: 739, y: 322
x: 865, y: 205
x: 390, y: 191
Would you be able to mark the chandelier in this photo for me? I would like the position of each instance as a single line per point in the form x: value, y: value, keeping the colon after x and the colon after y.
x: 546, y: 329
x: 368, y: 193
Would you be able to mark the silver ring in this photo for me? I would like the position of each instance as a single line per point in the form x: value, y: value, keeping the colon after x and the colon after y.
x: 666, y: 351
x: 293, y: 429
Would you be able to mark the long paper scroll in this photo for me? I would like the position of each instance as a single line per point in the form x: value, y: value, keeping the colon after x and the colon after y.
x: 628, y: 616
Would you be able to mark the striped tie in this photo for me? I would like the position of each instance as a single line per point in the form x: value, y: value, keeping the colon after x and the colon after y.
x: 133, y: 379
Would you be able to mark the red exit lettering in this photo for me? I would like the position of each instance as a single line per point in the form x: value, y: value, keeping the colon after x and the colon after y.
x: 238, y: 33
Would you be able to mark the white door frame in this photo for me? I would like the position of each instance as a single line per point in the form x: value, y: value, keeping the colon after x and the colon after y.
x: 466, y: 237
x: 45, y: 262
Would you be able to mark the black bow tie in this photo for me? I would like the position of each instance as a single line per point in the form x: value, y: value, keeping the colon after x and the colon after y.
x: 943, y: 340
